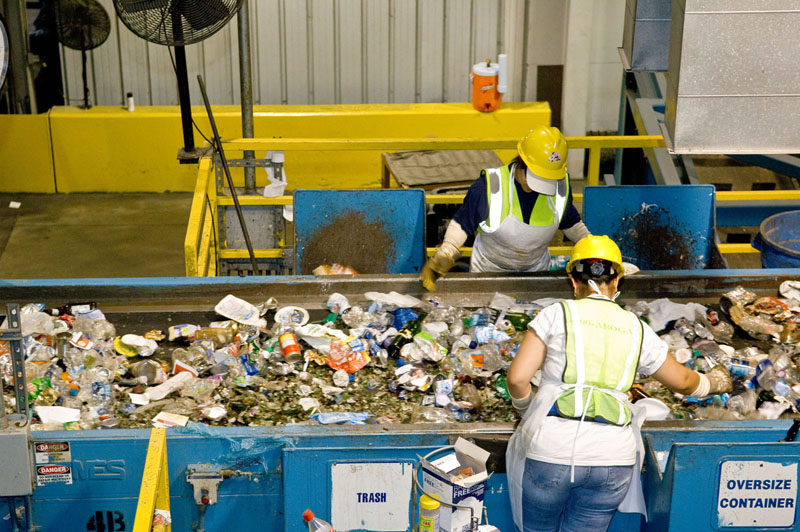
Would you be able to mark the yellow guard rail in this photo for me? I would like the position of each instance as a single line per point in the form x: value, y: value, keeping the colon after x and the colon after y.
x: 202, y: 248
x: 154, y: 492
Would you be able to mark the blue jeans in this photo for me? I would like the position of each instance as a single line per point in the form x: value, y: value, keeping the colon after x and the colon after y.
x: 551, y: 503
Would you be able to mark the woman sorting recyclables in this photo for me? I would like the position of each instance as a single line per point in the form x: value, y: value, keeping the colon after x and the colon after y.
x: 514, y: 212
x: 578, y: 447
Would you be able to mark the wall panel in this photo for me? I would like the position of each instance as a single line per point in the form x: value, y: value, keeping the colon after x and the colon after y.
x: 359, y: 51
x: 459, y: 56
x: 267, y: 53
x: 402, y: 50
x: 376, y: 53
x: 430, y: 43
x: 296, y: 51
x: 349, y: 81
x: 322, y: 59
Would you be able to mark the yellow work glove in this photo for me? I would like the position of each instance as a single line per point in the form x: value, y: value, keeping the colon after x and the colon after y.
x: 719, y: 379
x: 436, y: 267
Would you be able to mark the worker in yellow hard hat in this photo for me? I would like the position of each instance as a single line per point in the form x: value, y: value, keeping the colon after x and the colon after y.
x: 514, y: 212
x: 578, y: 447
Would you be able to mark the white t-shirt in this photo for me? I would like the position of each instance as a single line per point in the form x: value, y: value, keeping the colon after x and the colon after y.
x: 598, y: 444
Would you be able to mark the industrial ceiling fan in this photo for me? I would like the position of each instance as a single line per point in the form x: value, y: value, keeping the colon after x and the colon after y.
x: 178, y: 23
x: 82, y: 25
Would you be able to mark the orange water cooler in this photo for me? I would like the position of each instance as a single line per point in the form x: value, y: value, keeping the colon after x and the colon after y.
x: 489, y: 83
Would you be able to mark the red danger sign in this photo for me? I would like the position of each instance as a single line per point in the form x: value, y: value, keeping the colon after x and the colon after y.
x: 52, y: 447
x: 52, y: 470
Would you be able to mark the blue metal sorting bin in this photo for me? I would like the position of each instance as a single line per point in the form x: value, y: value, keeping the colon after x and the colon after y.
x: 719, y: 476
x: 657, y: 227
x: 375, y: 231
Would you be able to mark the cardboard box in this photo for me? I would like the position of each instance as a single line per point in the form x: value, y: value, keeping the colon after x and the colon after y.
x: 437, y: 479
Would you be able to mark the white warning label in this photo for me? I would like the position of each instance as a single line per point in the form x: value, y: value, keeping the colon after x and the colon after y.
x: 53, y: 474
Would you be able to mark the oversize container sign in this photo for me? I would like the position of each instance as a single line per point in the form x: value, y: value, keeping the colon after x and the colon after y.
x: 371, y: 496
x: 753, y: 493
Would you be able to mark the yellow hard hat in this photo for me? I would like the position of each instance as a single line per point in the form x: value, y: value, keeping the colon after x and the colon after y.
x: 596, y: 247
x: 544, y: 151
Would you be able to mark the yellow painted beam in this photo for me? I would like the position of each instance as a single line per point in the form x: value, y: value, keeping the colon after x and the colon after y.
x: 616, y: 141
x: 148, y: 492
x: 372, y: 144
x: 429, y: 142
x: 758, y: 195
x: 274, y: 253
x: 736, y: 248
x: 255, y: 200
x: 26, y: 162
x: 430, y: 199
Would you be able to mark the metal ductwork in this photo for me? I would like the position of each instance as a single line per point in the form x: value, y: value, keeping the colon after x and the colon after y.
x: 732, y: 82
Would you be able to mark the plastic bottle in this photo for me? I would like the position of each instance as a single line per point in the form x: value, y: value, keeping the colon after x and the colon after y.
x: 492, y: 361
x: 219, y: 335
x: 315, y: 524
x: 428, y: 514
x: 743, y: 403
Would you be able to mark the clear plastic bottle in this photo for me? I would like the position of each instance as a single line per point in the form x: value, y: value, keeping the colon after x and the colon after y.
x: 743, y: 403
x: 492, y: 361
x: 315, y: 524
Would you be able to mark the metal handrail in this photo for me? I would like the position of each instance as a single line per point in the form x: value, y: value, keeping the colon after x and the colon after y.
x: 473, y: 521
x: 154, y: 491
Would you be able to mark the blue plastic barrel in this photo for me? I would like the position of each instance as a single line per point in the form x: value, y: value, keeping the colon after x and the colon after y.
x: 779, y: 240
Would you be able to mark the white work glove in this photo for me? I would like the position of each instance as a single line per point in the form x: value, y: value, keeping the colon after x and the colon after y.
x: 576, y: 232
x: 521, y: 405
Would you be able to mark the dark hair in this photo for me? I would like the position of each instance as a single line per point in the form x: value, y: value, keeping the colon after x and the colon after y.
x: 518, y: 162
x: 606, y: 275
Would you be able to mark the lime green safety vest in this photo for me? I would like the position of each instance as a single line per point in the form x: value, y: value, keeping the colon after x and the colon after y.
x: 503, y: 200
x: 603, y: 346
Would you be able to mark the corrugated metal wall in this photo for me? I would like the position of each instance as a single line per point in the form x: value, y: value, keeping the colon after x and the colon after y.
x: 316, y: 52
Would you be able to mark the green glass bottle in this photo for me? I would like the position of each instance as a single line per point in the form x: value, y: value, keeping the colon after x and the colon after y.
x: 404, y: 335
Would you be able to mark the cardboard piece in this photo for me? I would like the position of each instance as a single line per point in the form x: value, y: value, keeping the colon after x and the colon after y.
x: 437, y: 479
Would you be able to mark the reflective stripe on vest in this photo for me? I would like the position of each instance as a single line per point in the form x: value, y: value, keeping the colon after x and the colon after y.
x: 603, y: 344
x: 503, y: 200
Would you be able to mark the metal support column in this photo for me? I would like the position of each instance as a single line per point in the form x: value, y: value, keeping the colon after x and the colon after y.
x: 13, y: 335
x: 20, y: 83
x: 247, y: 94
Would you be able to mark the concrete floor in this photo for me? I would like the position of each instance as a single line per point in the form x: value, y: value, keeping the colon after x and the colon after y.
x: 93, y: 235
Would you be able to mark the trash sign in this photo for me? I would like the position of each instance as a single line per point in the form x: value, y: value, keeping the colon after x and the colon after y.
x: 53, y: 474
x: 371, y: 495
x: 47, y: 452
x: 754, y: 493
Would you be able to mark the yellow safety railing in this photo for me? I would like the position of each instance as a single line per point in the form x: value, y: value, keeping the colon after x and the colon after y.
x: 200, y: 246
x: 154, y: 491
x: 203, y: 250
